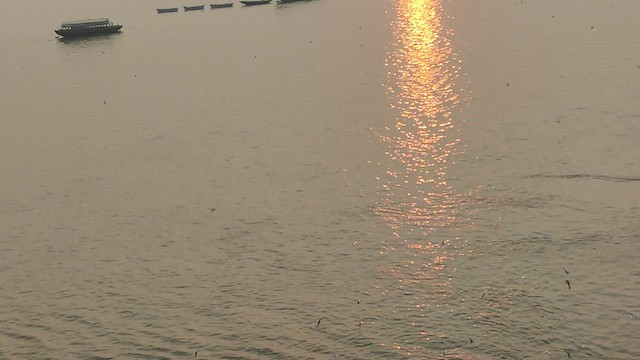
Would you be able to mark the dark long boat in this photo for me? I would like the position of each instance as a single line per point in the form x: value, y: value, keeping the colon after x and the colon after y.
x: 255, y: 2
x: 167, y: 10
x: 197, y: 7
x: 87, y: 27
x: 218, y: 6
x: 289, y: 1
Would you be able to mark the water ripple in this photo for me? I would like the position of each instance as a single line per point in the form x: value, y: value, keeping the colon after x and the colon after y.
x: 586, y: 176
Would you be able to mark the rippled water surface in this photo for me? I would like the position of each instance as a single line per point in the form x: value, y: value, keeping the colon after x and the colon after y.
x: 328, y: 179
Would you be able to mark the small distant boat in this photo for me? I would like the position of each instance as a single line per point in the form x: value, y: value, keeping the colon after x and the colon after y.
x: 218, y: 6
x: 255, y: 2
x: 197, y: 7
x: 288, y: 1
x: 87, y: 27
x: 167, y: 10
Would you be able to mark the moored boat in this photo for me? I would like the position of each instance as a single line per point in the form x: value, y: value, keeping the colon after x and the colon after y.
x: 223, y: 5
x: 167, y: 10
x: 196, y: 7
x: 289, y: 1
x: 255, y: 2
x: 87, y: 27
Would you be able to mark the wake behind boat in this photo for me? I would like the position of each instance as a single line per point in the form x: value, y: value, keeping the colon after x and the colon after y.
x: 88, y: 27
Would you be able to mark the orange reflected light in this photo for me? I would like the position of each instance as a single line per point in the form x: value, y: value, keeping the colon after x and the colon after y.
x: 416, y: 194
x: 416, y: 197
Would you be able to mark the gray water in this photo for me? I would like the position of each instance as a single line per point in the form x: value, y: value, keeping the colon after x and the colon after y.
x: 404, y: 179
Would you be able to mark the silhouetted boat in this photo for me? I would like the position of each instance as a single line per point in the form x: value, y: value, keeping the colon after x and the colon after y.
x: 289, y: 1
x: 87, y: 27
x: 255, y: 2
x: 167, y: 10
x: 218, y: 6
x: 197, y: 7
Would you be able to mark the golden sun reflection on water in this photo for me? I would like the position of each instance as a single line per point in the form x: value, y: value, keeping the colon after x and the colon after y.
x: 415, y: 193
x: 417, y: 198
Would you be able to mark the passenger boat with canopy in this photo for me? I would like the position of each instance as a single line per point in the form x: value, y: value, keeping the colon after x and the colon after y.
x: 87, y: 27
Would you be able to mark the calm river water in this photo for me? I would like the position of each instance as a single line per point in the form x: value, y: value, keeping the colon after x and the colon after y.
x: 328, y: 179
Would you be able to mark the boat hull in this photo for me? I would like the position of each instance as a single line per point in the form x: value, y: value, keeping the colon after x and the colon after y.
x: 170, y: 10
x: 255, y: 2
x: 89, y: 31
x: 219, y: 6
x: 191, y: 8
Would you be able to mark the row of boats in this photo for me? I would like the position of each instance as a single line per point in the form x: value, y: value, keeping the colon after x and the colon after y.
x: 224, y: 5
x: 101, y: 26
x: 196, y: 7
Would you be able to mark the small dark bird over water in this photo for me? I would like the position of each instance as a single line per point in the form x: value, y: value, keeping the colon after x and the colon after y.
x: 195, y: 355
x: 507, y: 84
x: 470, y: 340
x: 318, y: 323
x: 565, y: 270
x: 212, y: 210
x: 568, y: 284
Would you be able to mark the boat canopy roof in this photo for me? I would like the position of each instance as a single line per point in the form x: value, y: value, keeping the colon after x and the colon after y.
x: 87, y: 22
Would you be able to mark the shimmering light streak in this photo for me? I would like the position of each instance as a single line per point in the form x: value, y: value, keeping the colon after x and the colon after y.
x: 415, y: 194
x: 416, y: 197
